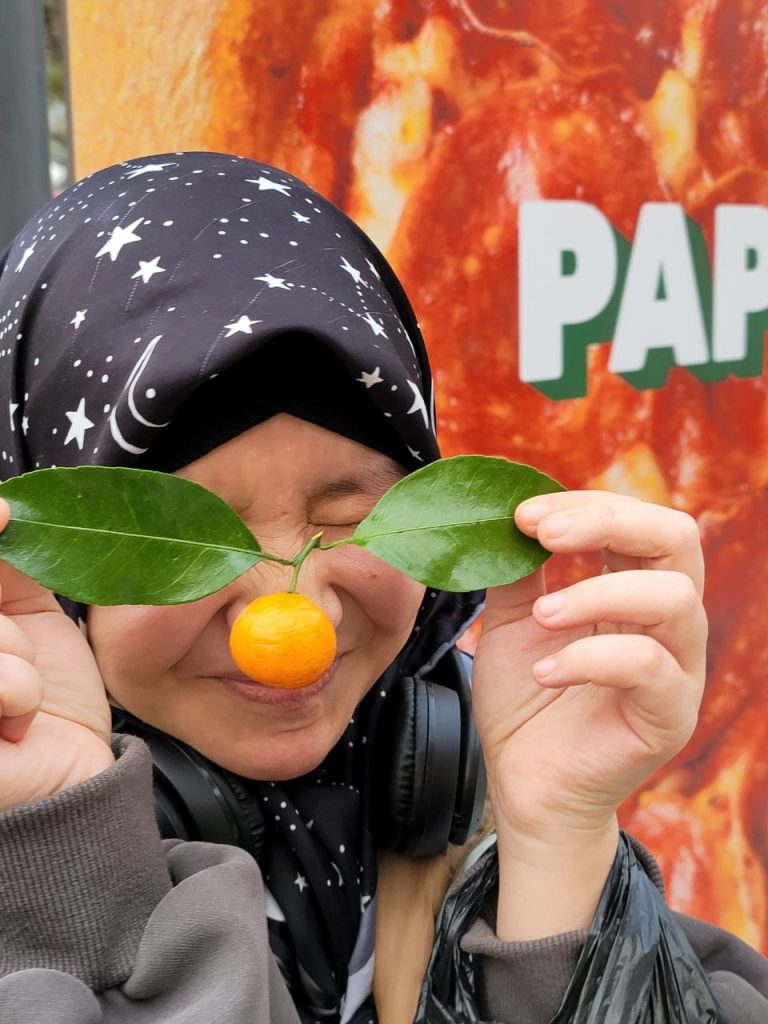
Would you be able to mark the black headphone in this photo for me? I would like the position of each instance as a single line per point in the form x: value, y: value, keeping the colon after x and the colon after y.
x: 429, y: 786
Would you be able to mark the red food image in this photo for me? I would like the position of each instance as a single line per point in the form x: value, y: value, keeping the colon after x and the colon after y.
x: 430, y: 121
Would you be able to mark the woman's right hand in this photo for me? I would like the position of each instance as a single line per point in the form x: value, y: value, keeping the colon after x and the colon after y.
x: 54, y: 713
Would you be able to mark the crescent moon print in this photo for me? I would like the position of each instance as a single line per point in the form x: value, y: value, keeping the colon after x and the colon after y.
x: 130, y: 386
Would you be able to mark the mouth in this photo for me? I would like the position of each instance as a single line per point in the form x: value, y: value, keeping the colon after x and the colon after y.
x: 277, y: 696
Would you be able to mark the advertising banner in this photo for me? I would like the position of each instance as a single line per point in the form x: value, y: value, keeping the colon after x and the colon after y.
x: 575, y: 194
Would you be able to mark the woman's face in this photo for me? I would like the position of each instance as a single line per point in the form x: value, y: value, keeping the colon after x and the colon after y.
x: 170, y: 666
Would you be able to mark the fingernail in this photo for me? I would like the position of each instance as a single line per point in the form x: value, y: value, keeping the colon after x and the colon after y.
x: 556, y: 526
x: 551, y: 604
x: 544, y: 668
x: 534, y: 509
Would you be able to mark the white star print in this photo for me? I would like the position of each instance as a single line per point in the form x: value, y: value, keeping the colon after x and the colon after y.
x: 353, y: 272
x: 29, y: 251
x: 25, y: 425
x: 147, y: 268
x: 374, y: 325
x: 147, y: 169
x: 119, y: 238
x: 78, y: 318
x: 418, y: 403
x: 79, y: 423
x: 301, y: 882
x: 415, y: 454
x: 365, y: 898
x: 244, y: 325
x: 12, y: 407
x: 300, y: 217
x: 273, y: 282
x: 369, y: 379
x: 265, y: 185
x: 373, y: 269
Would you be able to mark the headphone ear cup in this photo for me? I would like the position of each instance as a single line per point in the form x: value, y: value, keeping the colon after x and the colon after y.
x: 402, y: 763
x: 194, y: 799
x: 417, y: 782
x: 251, y: 819
x: 473, y: 781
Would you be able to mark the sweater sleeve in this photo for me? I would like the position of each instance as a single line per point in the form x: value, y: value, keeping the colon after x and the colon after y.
x: 104, y: 923
x: 524, y: 982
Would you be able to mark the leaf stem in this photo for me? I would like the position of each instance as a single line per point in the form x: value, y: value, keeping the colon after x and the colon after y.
x: 336, y: 543
x: 299, y: 560
x: 275, y: 558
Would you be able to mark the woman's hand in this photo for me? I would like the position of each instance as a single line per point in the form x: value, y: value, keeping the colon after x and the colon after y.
x: 581, y: 694
x: 54, y: 714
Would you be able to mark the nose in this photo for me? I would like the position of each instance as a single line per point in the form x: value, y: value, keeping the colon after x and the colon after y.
x: 315, y: 582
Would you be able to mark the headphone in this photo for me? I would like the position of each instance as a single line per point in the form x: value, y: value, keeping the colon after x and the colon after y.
x: 428, y: 789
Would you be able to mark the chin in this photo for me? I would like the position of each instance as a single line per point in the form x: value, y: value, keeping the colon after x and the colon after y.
x: 276, y: 757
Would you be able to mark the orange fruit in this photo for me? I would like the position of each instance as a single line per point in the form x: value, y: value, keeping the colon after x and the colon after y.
x: 283, y: 640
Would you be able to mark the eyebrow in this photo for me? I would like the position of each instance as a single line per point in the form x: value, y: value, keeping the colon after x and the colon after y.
x: 374, y: 481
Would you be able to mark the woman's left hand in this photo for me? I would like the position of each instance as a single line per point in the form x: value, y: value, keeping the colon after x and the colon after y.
x: 581, y: 694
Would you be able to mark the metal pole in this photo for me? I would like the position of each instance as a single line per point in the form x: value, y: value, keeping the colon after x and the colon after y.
x: 24, y: 174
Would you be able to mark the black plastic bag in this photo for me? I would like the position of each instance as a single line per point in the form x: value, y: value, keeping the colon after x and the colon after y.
x: 637, y: 966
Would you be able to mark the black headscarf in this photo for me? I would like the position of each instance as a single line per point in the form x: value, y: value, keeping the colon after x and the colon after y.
x: 153, y: 311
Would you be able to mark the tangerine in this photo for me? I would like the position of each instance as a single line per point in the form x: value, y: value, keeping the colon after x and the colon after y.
x: 283, y: 640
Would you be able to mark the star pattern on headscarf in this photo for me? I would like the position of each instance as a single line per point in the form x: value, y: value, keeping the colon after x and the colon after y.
x: 28, y: 252
x: 119, y: 237
x: 265, y: 185
x: 79, y: 423
x: 353, y: 272
x: 369, y: 379
x: 375, y: 326
x: 147, y: 269
x: 243, y: 325
x: 273, y: 282
x: 147, y: 169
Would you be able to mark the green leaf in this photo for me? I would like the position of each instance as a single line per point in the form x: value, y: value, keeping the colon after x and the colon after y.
x: 107, y: 535
x: 450, y: 526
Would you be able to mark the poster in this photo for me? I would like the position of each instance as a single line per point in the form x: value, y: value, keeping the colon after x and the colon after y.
x: 622, y: 146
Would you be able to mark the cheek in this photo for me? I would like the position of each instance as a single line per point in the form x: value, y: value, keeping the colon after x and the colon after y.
x: 388, y: 599
x: 138, y: 643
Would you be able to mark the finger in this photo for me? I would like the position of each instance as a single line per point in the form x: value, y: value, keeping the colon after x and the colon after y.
x: 530, y: 512
x: 619, y: 563
x: 13, y: 730
x: 660, y: 538
x: 13, y: 640
x: 665, y: 605
x: 513, y: 601
x: 21, y: 693
x: 20, y: 595
x: 662, y: 695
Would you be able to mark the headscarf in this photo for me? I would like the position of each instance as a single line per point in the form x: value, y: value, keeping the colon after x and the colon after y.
x: 121, y: 304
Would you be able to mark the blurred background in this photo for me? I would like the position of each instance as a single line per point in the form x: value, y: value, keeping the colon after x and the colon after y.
x: 59, y: 140
x: 429, y: 122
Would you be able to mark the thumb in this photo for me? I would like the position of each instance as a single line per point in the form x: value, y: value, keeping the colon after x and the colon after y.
x: 513, y: 601
x: 20, y: 595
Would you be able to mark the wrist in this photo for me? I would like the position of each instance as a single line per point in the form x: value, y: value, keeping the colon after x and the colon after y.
x: 551, y: 882
x: 86, y: 761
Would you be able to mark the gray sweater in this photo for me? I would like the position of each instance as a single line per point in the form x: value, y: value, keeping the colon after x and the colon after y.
x: 102, y: 922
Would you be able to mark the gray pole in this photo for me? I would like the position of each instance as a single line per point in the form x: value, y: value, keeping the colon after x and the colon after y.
x: 24, y: 175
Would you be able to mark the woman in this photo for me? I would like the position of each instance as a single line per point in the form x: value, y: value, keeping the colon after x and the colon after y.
x: 213, y: 317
